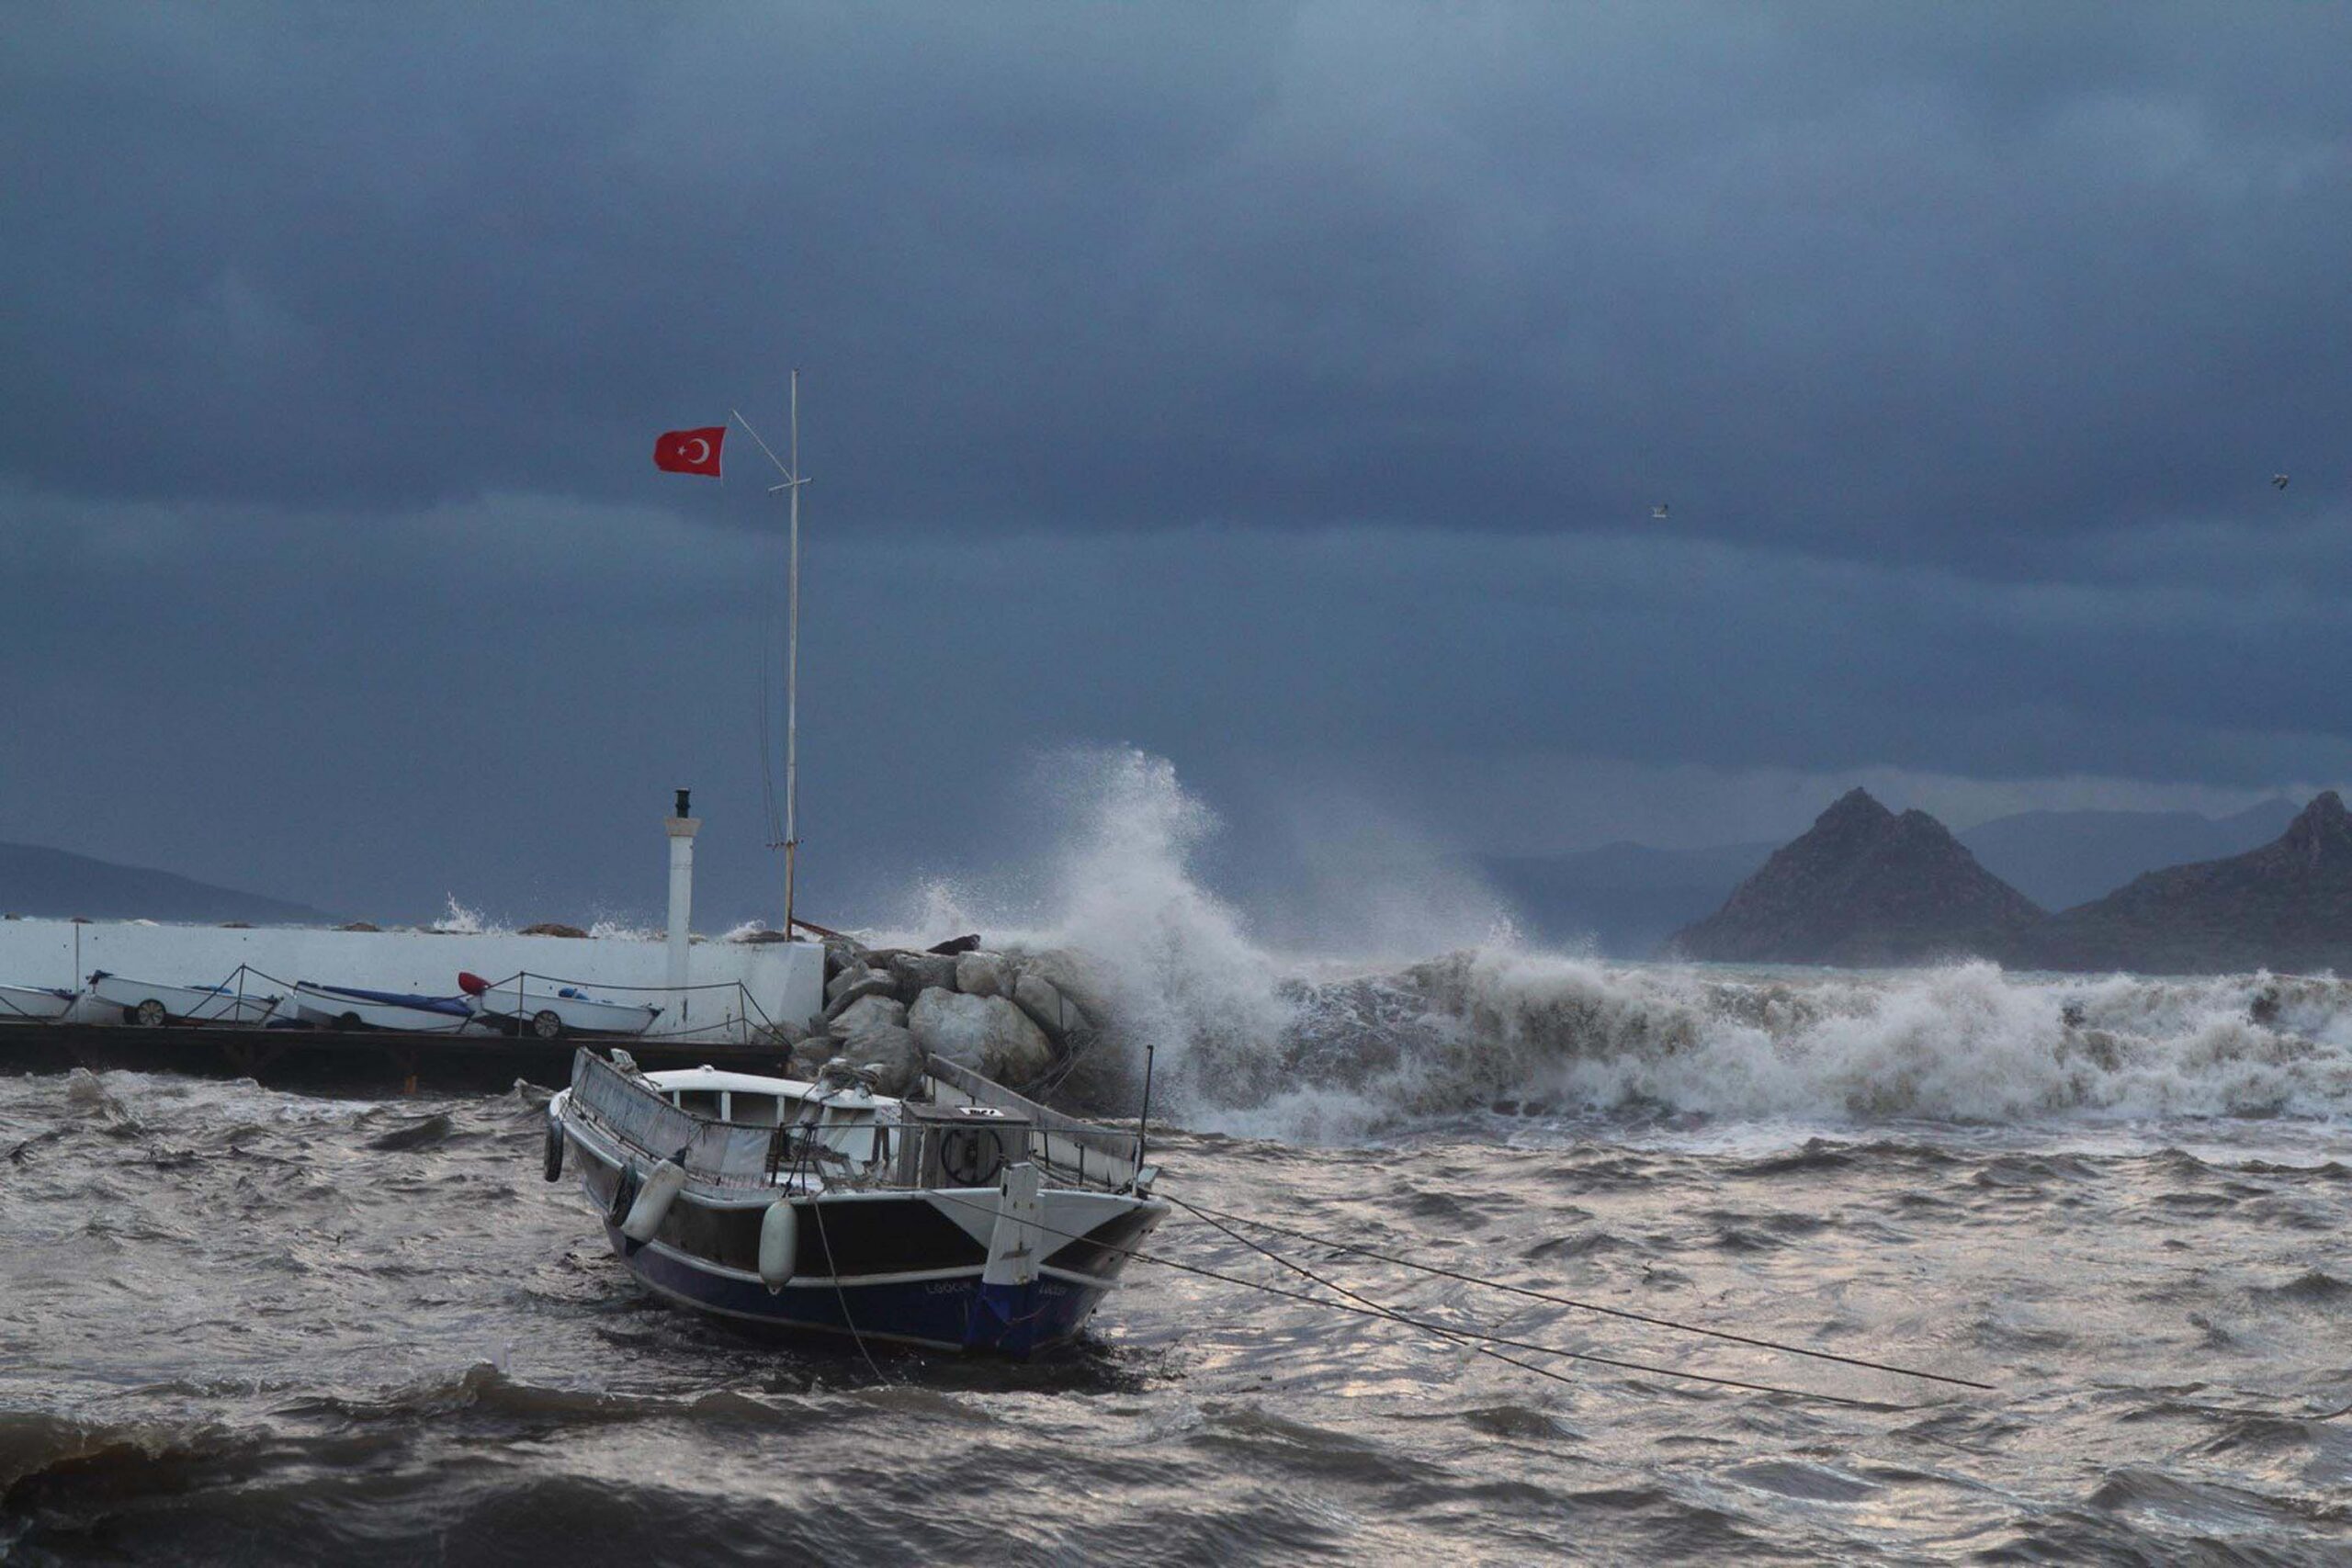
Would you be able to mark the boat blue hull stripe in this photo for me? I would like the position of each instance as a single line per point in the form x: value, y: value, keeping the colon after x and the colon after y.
x: 1014, y: 1320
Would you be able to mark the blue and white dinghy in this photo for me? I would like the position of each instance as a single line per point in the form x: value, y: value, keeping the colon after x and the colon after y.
x: 962, y: 1217
x: 346, y: 1006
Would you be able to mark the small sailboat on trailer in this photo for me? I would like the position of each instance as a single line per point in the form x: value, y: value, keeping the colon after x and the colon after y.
x: 34, y: 1004
x: 348, y: 1006
x: 548, y: 1009
x: 959, y: 1217
x: 152, y: 1004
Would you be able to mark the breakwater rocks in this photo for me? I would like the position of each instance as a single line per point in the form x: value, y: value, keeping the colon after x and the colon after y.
x: 1016, y: 1016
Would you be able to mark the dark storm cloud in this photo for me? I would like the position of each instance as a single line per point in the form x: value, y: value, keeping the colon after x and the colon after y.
x: 1883, y: 280
x: 1283, y: 389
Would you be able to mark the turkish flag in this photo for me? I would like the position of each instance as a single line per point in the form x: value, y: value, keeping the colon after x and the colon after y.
x: 690, y: 451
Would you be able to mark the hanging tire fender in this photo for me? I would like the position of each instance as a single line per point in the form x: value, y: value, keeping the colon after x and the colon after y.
x: 653, y: 1201
x: 625, y: 1188
x: 555, y: 1149
x: 779, y: 1243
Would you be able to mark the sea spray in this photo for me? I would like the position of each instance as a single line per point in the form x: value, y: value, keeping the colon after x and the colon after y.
x: 1182, y: 978
x: 1335, y: 1047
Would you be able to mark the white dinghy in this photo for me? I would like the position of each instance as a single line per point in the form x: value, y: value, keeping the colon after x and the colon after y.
x: 152, y: 1005
x: 34, y: 1004
x: 548, y: 1009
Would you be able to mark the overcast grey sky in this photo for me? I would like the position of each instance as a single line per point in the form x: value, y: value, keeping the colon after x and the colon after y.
x: 1281, y: 389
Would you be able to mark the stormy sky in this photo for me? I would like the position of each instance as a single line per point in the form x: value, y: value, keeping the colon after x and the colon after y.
x: 1282, y: 390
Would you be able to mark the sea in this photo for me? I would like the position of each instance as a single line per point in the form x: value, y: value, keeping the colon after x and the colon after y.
x: 244, y: 1325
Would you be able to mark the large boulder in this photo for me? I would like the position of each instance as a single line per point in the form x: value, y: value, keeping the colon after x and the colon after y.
x: 868, y: 1012
x: 987, y: 1034
x: 889, y: 1052
x: 841, y: 953
x: 850, y: 985
x: 810, y: 1056
x: 919, y: 972
x: 1051, y: 1011
x: 984, y: 975
x: 1077, y: 976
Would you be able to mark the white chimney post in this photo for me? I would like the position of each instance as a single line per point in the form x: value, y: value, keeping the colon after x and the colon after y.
x: 682, y: 829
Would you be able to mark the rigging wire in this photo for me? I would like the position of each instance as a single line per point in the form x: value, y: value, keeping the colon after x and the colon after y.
x: 1481, y: 1337
x: 1463, y: 1337
x: 1625, y: 1313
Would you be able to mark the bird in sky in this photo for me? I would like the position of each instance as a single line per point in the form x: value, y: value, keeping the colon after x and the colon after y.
x: 1659, y: 512
x: 2278, y: 481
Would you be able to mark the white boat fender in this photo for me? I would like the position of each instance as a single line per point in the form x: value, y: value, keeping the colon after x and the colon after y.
x: 653, y: 1201
x: 779, y: 1244
x: 555, y: 1149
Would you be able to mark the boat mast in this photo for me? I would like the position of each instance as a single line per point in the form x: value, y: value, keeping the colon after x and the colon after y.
x: 793, y: 481
x: 792, y: 679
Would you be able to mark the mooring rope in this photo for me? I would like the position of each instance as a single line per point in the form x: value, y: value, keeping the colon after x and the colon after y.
x: 1466, y: 1339
x: 1625, y: 1313
x: 1479, y: 1336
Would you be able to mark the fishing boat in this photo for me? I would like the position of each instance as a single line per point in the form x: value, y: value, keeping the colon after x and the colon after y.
x: 548, y: 1009
x: 152, y: 1005
x: 346, y: 1006
x: 22, y: 1004
x: 959, y: 1217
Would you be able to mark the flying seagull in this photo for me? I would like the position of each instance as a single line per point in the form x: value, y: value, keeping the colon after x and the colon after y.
x: 1659, y: 512
x: 2278, y: 481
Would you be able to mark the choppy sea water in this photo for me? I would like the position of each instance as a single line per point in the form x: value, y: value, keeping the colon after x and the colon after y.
x: 243, y: 1325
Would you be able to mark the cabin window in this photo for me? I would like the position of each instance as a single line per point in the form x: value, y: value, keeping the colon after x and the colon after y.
x: 704, y: 1102
x: 753, y: 1110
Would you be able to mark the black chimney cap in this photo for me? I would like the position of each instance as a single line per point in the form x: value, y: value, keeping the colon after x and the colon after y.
x: 683, y: 810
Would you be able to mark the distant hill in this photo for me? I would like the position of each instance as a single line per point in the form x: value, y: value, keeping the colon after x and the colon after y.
x: 2285, y: 906
x: 36, y: 881
x: 1627, y: 899
x: 1624, y: 899
x: 2060, y: 859
x: 1864, y: 886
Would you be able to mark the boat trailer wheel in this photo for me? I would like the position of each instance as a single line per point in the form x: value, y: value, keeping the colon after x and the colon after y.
x: 546, y: 1024
x: 349, y: 1020
x: 148, y: 1014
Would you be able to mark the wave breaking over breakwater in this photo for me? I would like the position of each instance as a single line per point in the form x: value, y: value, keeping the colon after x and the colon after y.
x: 1245, y: 1039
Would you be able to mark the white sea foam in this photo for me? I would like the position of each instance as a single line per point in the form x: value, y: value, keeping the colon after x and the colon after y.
x: 459, y: 921
x: 1250, y: 1040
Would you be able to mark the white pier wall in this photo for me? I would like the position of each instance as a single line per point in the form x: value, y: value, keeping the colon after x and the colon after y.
x: 786, y: 981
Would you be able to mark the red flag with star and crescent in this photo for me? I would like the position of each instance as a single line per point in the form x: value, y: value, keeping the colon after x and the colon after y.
x: 690, y: 451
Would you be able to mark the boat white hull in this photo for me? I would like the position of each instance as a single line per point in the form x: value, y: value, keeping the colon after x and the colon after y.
x: 535, y: 1008
x: 24, y: 1003
x: 151, y: 1004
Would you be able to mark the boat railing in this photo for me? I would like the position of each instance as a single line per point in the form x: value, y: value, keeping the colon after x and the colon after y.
x: 725, y: 1153
x: 1090, y: 1153
x: 866, y: 1153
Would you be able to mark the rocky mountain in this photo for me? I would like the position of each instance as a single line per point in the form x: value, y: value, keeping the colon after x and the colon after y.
x: 2287, y: 906
x: 1864, y: 886
x: 2060, y: 859
x: 36, y: 881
